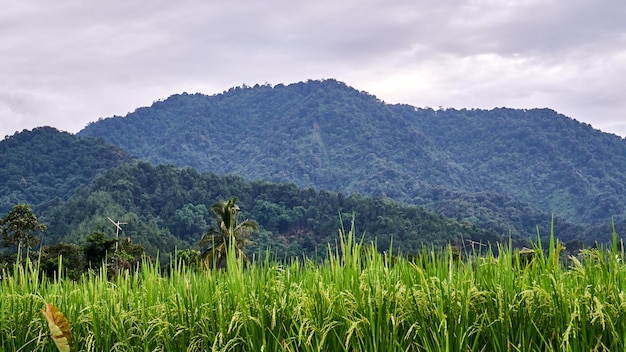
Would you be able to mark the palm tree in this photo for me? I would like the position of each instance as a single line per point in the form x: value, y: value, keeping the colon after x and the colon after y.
x: 229, y: 234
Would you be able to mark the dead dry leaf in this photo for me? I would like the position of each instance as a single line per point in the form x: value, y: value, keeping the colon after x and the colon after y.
x: 59, y: 328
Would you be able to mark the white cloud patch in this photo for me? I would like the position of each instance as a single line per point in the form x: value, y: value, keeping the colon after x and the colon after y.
x: 69, y: 62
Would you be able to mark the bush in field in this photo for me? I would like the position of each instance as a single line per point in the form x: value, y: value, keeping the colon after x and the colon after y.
x: 60, y: 260
x: 190, y: 258
x: 127, y: 256
x: 97, y: 247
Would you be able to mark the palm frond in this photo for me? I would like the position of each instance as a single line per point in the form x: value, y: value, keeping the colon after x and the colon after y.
x: 211, y: 237
x: 228, y: 232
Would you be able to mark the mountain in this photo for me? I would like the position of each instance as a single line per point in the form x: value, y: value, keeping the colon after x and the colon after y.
x: 75, y: 184
x: 537, y: 156
x: 505, y: 169
x: 311, y: 133
x: 164, y: 208
x: 44, y: 166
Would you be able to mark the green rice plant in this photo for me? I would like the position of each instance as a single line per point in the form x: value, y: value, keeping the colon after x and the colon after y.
x: 356, y: 299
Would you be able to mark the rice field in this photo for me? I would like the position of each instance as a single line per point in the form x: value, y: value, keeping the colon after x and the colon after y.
x: 355, y: 300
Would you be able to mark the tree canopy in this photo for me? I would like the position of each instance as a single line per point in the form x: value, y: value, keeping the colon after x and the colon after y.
x: 155, y: 200
x: 45, y: 166
x: 326, y: 135
x: 20, y: 226
x: 322, y: 149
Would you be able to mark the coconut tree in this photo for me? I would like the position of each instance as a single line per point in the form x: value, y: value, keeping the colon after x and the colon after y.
x: 228, y: 234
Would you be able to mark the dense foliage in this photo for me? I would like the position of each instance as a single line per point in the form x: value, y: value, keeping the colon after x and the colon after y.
x: 19, y: 231
x: 504, y: 169
x: 538, y: 156
x: 19, y: 227
x: 44, y: 166
x: 165, y: 208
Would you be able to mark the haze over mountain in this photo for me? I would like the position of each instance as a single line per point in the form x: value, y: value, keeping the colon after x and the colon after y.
x: 509, y: 169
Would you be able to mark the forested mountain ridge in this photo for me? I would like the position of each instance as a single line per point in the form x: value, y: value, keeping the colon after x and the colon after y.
x: 165, y: 208
x: 475, y: 165
x: 538, y: 156
x: 76, y: 184
x: 44, y: 166
x: 306, y: 133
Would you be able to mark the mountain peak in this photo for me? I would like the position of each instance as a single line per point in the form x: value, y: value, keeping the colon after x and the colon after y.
x: 326, y: 134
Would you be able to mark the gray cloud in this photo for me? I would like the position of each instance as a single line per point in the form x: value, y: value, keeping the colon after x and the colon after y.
x: 70, y: 62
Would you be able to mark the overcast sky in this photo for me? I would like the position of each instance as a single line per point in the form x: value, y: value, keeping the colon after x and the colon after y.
x: 65, y: 63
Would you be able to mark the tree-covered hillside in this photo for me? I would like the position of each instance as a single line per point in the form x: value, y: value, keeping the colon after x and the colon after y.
x: 505, y: 169
x: 537, y: 156
x: 166, y: 208
x: 44, y: 166
x: 311, y: 133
